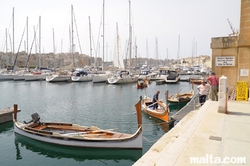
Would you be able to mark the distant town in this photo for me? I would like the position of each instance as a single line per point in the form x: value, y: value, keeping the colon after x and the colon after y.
x: 76, y: 60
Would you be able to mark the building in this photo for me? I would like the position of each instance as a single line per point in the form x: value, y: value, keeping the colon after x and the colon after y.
x: 231, y: 54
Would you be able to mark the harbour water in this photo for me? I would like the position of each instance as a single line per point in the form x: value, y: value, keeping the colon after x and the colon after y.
x: 103, y: 105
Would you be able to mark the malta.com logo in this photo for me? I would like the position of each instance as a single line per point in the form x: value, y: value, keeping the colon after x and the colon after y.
x: 210, y: 159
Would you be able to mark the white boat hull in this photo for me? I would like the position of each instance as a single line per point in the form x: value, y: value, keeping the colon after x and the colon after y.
x: 6, y: 77
x: 81, y: 78
x: 18, y: 77
x: 58, y: 78
x: 122, y: 80
x: 99, y: 78
x: 134, y: 143
x: 177, y: 79
x: 35, y: 77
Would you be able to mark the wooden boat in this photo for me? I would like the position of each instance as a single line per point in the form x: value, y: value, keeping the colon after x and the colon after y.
x: 143, y: 83
x: 179, y: 100
x: 162, y: 112
x: 73, y: 153
x: 74, y: 135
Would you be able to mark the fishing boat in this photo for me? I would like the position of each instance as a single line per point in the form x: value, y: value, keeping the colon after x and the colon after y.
x: 162, y: 112
x: 179, y: 100
x: 74, y: 135
x: 143, y: 83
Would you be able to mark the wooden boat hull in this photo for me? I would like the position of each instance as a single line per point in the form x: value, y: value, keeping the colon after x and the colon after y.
x: 142, y: 84
x: 74, y: 135
x: 133, y: 142
x: 78, y: 154
x: 180, y: 100
x: 161, y: 113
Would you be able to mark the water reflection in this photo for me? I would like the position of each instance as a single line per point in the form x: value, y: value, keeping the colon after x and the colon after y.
x: 156, y: 122
x: 78, y: 154
x: 6, y: 126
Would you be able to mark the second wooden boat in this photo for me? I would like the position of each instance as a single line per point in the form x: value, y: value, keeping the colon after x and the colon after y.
x: 180, y: 99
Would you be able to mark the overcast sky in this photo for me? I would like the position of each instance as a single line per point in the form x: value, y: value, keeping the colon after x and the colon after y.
x: 160, y: 23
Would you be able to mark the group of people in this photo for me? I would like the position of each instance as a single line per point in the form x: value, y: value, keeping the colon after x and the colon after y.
x: 204, y: 88
x: 211, y: 87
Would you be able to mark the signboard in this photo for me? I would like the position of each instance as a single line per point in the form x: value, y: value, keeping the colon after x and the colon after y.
x: 225, y: 61
x: 244, y: 72
x: 242, y: 91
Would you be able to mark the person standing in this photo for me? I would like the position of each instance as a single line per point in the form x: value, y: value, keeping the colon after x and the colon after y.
x: 203, y: 91
x: 214, y: 82
x: 155, y: 100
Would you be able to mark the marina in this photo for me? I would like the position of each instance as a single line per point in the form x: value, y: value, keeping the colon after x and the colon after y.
x: 85, y: 103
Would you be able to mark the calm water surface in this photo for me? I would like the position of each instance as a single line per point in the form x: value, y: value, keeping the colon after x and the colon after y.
x: 103, y: 105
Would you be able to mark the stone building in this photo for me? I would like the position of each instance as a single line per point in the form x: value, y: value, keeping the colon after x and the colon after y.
x: 231, y: 55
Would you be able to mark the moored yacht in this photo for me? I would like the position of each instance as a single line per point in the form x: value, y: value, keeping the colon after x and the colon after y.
x: 123, y: 78
x: 162, y: 74
x: 81, y: 76
x: 59, y: 77
x: 146, y: 74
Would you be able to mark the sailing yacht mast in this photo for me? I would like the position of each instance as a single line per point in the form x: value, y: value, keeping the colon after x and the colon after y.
x: 13, y: 53
x: 130, y: 38
x: 72, y: 37
x: 39, y: 57
x: 90, y: 42
x: 178, y: 54
x: 103, y: 40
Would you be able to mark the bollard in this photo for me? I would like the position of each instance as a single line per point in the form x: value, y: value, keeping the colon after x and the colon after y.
x: 222, y: 94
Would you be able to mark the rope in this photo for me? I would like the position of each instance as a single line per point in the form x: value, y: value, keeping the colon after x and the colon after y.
x: 149, y: 140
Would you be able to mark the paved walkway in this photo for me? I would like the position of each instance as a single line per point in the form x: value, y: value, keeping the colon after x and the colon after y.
x: 210, y: 136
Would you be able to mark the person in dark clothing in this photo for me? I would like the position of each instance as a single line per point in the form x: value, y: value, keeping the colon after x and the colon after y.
x: 155, y: 100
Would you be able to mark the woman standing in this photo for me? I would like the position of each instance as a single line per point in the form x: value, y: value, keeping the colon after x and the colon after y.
x: 203, y: 90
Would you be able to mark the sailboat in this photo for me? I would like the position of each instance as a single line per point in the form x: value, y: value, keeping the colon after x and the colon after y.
x: 64, y: 75
x: 124, y: 75
x: 101, y: 77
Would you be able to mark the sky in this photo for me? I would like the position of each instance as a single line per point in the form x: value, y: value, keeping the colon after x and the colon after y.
x: 161, y: 29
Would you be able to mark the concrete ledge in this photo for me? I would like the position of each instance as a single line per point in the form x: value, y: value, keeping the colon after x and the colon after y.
x: 201, y: 132
x: 6, y: 115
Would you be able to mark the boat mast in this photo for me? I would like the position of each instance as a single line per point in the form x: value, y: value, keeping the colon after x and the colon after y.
x: 130, y: 38
x: 72, y: 37
x: 13, y: 53
x: 178, y: 53
x: 39, y: 57
x: 54, y: 50
x: 27, y: 63
x: 147, y: 50
x: 156, y: 51
x: 103, y: 40
x: 90, y: 42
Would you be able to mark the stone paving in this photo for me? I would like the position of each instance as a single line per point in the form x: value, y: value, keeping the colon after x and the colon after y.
x: 212, y: 138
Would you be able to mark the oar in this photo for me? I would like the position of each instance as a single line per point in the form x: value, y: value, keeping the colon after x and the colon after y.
x: 179, y: 91
x: 153, y: 103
